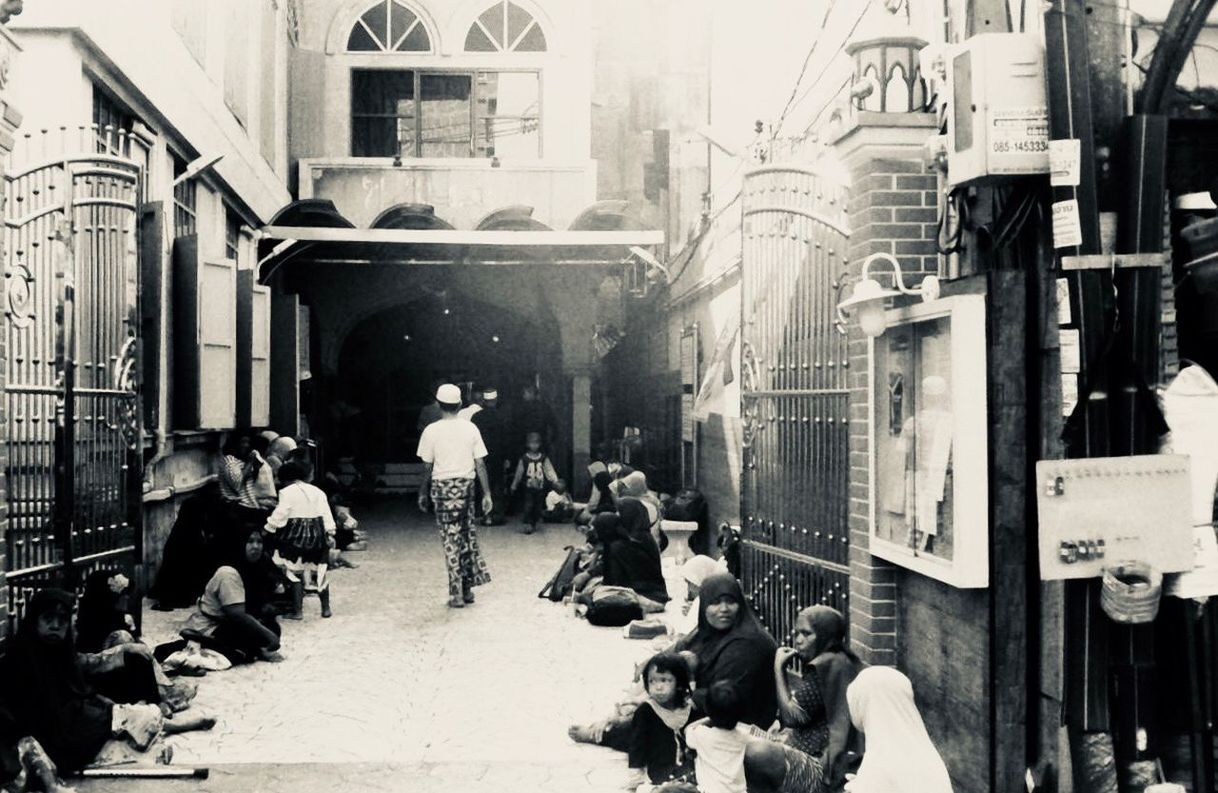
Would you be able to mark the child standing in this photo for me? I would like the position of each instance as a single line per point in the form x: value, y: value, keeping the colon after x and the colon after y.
x: 721, y: 740
x: 534, y: 470
x: 303, y: 527
x: 657, y: 745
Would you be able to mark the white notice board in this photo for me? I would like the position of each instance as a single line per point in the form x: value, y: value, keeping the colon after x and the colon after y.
x: 1100, y: 511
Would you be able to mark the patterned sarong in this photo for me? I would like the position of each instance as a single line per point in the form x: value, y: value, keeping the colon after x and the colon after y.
x: 453, y: 500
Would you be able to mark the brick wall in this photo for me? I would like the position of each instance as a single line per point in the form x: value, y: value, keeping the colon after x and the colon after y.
x: 936, y: 634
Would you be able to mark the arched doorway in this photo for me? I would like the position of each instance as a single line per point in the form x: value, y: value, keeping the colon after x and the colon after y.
x: 390, y: 361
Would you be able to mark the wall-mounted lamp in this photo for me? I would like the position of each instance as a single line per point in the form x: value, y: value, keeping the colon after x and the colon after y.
x: 869, y: 296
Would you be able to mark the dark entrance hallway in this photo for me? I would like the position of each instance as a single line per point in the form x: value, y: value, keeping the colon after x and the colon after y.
x: 390, y: 361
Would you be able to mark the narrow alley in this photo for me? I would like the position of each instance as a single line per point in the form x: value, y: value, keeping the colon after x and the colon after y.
x: 397, y: 692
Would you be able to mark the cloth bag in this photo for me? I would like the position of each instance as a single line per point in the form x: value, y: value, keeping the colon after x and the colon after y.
x: 614, y: 607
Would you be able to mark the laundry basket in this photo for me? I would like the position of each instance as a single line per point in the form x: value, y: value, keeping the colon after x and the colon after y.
x: 1131, y: 592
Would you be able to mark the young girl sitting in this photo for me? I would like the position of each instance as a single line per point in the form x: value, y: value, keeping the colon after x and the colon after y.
x: 657, y: 743
x: 304, y: 528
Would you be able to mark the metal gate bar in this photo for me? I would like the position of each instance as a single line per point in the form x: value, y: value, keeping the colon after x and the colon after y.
x: 795, y: 487
x: 74, y: 434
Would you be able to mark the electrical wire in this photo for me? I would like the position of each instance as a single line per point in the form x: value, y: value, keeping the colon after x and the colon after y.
x: 823, y: 74
x: 802, y: 71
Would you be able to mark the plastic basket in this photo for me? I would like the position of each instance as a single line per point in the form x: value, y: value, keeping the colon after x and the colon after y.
x: 1131, y: 592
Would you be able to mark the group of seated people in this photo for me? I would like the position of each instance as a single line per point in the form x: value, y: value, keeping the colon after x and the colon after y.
x: 721, y: 708
x: 79, y: 687
x: 89, y: 694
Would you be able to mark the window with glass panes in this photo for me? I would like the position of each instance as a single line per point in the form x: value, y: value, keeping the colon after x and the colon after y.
x: 184, y: 201
x: 232, y: 234
x: 416, y: 113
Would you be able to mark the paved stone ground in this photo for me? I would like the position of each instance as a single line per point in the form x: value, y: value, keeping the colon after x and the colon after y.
x: 397, y: 692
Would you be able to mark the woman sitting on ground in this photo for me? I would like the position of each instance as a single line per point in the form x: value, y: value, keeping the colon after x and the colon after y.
x: 601, y: 499
x: 44, y: 689
x: 899, y: 757
x: 303, y: 527
x: 634, y: 485
x: 114, y: 661
x: 234, y: 616
x: 813, y: 709
x: 729, y: 644
x: 632, y: 559
x: 238, y: 478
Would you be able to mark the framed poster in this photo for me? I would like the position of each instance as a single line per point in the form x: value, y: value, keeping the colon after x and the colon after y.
x: 929, y: 499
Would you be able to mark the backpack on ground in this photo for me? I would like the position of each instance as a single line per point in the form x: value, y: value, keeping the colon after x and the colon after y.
x: 614, y: 607
x: 559, y: 586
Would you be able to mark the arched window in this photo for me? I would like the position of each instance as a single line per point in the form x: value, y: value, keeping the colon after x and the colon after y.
x: 505, y: 27
x: 388, y: 26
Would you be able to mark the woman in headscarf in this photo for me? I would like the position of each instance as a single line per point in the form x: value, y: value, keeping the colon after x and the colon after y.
x: 46, y: 693
x: 632, y: 559
x: 813, y: 709
x: 113, y: 660
x: 899, y: 757
x: 694, y: 571
x: 234, y: 616
x: 731, y: 644
x: 601, y: 499
x: 634, y: 485
x: 189, y: 557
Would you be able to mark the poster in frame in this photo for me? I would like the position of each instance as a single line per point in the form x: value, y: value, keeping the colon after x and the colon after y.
x: 928, y: 441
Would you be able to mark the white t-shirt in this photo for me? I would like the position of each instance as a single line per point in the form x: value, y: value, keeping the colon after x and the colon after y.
x: 451, y: 446
x: 719, y: 765
x: 468, y: 412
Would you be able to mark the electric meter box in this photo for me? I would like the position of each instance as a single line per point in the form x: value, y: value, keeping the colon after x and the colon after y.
x: 998, y: 119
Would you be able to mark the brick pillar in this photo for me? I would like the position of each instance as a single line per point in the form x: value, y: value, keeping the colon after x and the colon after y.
x: 10, y: 119
x: 893, y: 209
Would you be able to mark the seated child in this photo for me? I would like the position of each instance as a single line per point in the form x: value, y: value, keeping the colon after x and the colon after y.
x: 303, y: 525
x: 534, y: 470
x: 657, y: 745
x: 721, y: 740
x: 559, y: 506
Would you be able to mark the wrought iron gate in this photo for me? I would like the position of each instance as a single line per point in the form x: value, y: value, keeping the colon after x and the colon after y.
x: 795, y: 488
x: 71, y: 394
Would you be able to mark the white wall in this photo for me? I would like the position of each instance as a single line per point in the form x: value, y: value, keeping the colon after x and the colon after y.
x: 566, y: 68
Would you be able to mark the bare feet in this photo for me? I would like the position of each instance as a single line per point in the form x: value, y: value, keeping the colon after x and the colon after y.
x: 184, y: 723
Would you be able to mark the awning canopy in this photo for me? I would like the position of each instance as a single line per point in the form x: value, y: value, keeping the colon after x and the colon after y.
x: 313, y: 231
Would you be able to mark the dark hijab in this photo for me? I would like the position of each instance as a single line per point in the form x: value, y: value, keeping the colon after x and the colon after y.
x: 743, y: 654
x: 605, y: 501
x: 834, y: 668
x: 632, y: 559
x: 46, y: 692
x: 608, y: 528
x: 636, y: 521
x: 99, y: 612
x: 258, y: 577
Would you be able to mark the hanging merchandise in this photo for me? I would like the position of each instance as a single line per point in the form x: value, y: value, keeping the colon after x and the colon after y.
x: 1190, y: 404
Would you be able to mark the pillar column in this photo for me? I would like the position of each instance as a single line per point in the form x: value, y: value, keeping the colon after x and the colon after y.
x: 581, y: 428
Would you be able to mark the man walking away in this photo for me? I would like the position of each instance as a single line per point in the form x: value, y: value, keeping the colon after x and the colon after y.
x: 453, y: 453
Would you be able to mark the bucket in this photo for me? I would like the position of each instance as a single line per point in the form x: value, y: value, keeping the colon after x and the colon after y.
x: 1131, y: 592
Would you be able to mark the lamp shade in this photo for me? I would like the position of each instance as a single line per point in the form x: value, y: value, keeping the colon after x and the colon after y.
x: 869, y: 298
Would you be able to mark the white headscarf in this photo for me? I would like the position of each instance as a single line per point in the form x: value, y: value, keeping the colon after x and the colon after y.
x: 698, y: 568
x: 899, y: 757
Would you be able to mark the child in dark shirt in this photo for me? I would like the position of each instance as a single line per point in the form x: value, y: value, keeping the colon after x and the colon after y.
x: 535, y: 471
x: 657, y: 743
